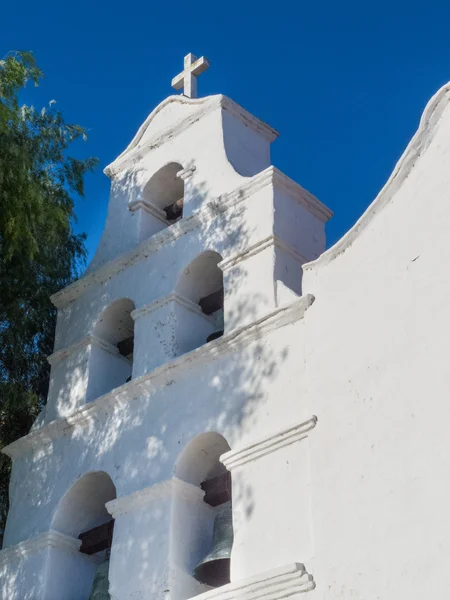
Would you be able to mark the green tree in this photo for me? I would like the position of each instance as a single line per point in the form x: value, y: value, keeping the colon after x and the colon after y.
x: 39, y: 251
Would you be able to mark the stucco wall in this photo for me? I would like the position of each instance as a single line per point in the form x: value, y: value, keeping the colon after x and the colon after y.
x: 336, y: 419
x: 137, y: 444
x: 377, y: 348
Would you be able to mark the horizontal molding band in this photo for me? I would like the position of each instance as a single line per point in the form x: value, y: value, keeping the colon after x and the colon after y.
x: 158, y: 491
x: 271, y: 177
x: 267, y: 445
x: 150, y: 208
x: 271, y: 241
x: 172, y: 297
x: 160, y: 376
x: 93, y: 340
x: 88, y: 340
x: 283, y: 582
x: 48, y: 539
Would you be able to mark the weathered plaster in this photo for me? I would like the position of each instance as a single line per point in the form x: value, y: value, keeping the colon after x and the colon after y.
x: 331, y: 415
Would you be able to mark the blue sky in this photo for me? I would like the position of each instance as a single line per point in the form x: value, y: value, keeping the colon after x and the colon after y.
x: 345, y: 83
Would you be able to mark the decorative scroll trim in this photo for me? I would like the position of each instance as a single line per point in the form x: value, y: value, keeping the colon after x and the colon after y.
x: 162, y: 489
x: 88, y: 340
x: 173, y: 297
x: 205, y: 106
x: 137, y: 150
x: 49, y: 539
x: 415, y: 149
x: 269, y: 242
x: 160, y: 376
x: 276, y: 584
x: 237, y: 458
x: 271, y: 177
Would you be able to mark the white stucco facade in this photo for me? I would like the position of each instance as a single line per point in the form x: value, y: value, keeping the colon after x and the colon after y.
x: 326, y: 396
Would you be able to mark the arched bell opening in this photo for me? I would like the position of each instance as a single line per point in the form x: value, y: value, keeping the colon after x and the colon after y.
x: 82, y: 514
x: 204, y: 531
x: 163, y: 198
x: 112, y: 349
x: 200, y: 318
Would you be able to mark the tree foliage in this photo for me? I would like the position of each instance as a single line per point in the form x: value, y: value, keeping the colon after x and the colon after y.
x: 39, y: 251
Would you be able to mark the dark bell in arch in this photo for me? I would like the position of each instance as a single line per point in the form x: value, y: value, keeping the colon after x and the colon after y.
x: 214, y: 568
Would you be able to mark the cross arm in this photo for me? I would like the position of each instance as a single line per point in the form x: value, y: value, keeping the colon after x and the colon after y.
x: 178, y: 81
x: 199, y: 66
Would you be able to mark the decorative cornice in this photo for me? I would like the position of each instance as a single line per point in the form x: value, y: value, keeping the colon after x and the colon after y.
x: 48, y: 539
x: 276, y: 178
x: 276, y: 584
x: 269, y: 177
x: 267, y: 445
x: 268, y: 132
x: 173, y: 297
x: 403, y: 168
x: 160, y: 376
x: 88, y: 340
x: 162, y: 489
x: 301, y: 195
x: 136, y: 500
x: 153, y: 210
x: 268, y: 242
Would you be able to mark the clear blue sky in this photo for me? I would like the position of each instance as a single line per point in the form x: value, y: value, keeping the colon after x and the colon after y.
x: 344, y: 83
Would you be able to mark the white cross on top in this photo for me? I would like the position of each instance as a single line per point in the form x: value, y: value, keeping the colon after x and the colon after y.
x: 193, y: 67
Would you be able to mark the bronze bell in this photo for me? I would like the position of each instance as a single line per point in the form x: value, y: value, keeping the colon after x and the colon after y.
x: 100, y: 587
x: 214, y: 569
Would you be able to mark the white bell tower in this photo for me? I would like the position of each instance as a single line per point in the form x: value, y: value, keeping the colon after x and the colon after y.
x: 175, y: 365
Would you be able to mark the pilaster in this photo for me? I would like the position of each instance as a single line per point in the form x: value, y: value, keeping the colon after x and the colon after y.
x: 151, y: 219
x: 259, y: 280
x: 271, y: 501
x: 46, y: 567
x: 167, y: 328
x: 149, y: 552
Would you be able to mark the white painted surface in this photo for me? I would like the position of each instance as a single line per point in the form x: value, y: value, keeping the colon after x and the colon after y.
x: 358, y: 495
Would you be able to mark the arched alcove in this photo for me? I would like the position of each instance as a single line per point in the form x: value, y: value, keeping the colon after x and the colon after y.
x: 83, y: 506
x: 163, y: 198
x: 200, y: 459
x: 165, y: 188
x: 82, y: 514
x: 200, y: 319
x: 193, y: 521
x: 111, y: 355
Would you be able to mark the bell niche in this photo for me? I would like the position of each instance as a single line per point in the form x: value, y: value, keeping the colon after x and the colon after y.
x: 200, y: 309
x: 82, y: 515
x: 214, y: 568
x: 112, y: 350
x: 162, y: 200
x: 203, y: 542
